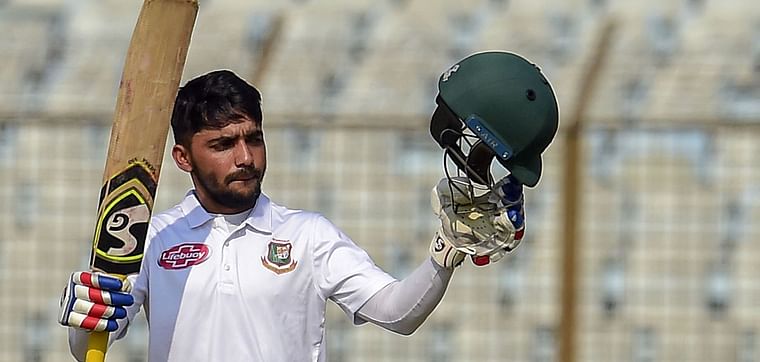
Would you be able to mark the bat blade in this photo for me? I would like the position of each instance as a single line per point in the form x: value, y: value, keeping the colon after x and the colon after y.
x: 150, y: 80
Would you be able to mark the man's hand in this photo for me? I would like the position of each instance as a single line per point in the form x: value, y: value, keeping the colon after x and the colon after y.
x: 486, y: 226
x: 94, y: 302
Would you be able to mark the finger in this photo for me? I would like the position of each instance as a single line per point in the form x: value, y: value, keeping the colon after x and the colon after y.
x: 102, y: 296
x: 519, y: 234
x: 512, y: 193
x: 98, y: 310
x: 511, y: 179
x: 91, y: 323
x: 516, y: 217
x: 480, y: 260
x: 67, y: 299
x: 98, y: 281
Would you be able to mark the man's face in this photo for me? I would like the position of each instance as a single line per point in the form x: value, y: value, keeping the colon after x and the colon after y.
x: 227, y: 166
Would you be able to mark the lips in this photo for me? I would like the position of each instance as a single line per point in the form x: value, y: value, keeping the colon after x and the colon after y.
x: 244, y: 176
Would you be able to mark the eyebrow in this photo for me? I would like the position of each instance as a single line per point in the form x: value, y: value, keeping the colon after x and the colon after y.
x: 254, y: 133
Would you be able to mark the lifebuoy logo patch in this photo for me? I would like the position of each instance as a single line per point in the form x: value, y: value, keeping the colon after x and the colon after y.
x: 184, y: 255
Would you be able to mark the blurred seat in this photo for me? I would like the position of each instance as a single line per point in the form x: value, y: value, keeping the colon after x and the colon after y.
x: 24, y: 33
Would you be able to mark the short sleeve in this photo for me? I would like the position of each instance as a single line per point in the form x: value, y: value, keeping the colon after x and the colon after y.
x: 344, y: 272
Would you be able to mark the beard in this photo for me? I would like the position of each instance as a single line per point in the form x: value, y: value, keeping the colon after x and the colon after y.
x: 243, y: 198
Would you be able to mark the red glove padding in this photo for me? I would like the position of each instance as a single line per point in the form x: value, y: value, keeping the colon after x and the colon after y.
x: 94, y: 301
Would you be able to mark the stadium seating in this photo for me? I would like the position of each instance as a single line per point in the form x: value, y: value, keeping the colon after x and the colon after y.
x: 668, y: 170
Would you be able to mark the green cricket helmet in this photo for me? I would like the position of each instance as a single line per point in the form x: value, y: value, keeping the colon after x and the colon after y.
x: 509, y: 109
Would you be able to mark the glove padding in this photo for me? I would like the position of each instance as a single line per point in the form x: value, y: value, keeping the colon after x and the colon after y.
x: 486, y: 227
x: 94, y: 302
x: 444, y: 253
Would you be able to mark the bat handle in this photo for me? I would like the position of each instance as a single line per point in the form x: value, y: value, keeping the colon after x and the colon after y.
x: 96, y: 347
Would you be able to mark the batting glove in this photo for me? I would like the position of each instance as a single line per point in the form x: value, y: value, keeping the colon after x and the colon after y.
x: 94, y: 302
x: 444, y: 253
x: 486, y: 227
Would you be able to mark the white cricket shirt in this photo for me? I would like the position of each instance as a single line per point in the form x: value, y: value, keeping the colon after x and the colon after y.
x: 255, y: 293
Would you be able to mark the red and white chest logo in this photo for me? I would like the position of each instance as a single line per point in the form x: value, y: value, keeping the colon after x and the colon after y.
x: 184, y: 255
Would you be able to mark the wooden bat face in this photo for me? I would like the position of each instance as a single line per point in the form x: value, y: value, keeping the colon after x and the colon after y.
x: 126, y: 203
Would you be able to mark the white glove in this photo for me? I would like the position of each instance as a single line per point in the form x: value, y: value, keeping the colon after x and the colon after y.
x: 486, y: 227
x: 444, y: 253
x: 94, y: 302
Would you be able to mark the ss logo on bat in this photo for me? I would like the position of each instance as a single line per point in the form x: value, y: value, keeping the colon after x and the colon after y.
x: 119, y: 225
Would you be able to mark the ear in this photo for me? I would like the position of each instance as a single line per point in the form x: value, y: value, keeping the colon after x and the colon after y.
x: 181, y: 155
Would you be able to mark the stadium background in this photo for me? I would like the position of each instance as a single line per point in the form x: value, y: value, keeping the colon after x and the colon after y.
x: 642, y: 240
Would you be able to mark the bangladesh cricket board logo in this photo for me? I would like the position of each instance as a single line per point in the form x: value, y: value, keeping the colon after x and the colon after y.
x: 184, y: 256
x: 279, y: 258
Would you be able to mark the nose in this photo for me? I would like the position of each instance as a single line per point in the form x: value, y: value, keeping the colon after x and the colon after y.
x: 243, y: 155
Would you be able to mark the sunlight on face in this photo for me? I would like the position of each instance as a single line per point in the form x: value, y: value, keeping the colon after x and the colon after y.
x: 228, y: 166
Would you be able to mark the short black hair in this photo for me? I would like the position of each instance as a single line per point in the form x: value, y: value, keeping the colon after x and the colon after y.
x: 212, y: 101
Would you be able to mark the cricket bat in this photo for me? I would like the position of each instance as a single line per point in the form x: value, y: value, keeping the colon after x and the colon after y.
x: 149, y: 84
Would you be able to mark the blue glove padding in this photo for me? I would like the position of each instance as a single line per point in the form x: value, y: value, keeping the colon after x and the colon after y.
x: 511, y: 191
x: 94, y: 301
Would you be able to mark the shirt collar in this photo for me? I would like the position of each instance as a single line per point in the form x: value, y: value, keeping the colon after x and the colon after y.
x: 259, y: 219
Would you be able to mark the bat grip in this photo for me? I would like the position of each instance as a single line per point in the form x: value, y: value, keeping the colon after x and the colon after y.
x: 96, y: 347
